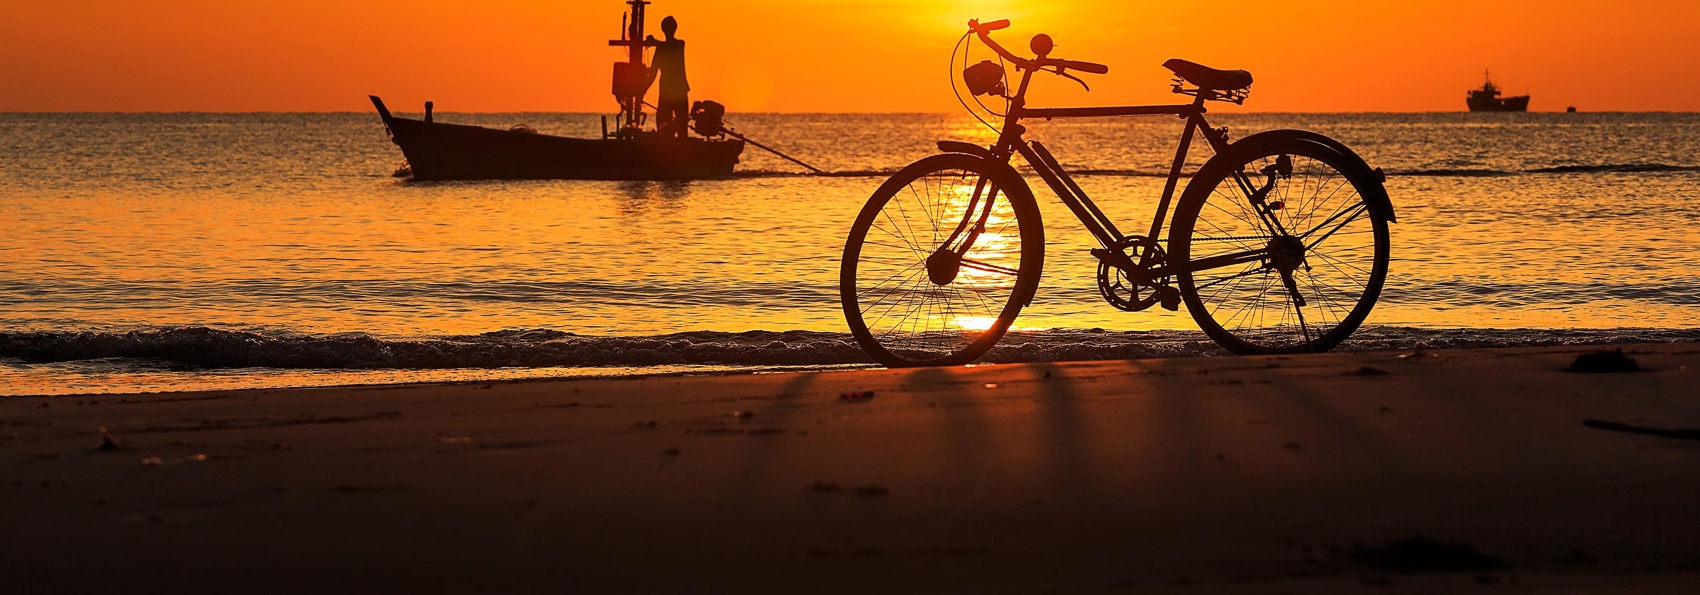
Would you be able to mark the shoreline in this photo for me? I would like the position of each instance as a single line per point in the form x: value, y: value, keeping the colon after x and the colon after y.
x: 179, y: 359
x: 1309, y: 473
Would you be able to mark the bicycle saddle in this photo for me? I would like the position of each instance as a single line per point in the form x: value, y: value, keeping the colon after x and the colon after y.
x: 1207, y: 77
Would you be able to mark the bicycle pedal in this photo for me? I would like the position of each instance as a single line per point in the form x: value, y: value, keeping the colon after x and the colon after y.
x: 1169, y: 298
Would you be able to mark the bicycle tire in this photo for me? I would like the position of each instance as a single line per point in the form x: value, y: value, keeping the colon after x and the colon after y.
x: 898, y: 312
x: 1335, y: 245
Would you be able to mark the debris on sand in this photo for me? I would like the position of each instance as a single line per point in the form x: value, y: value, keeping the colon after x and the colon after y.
x: 856, y: 396
x: 1679, y: 434
x: 1418, y: 554
x: 106, y: 441
x: 1604, y: 361
x: 1367, y: 371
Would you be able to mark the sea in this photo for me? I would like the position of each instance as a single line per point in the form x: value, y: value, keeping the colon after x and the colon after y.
x: 191, y: 251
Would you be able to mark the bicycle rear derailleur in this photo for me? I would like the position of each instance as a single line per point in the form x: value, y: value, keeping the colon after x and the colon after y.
x: 1122, y: 291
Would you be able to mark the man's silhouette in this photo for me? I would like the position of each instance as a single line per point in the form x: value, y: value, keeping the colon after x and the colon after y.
x: 674, y: 106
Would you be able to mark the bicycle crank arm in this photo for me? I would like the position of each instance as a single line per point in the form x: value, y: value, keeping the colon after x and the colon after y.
x: 1116, y: 259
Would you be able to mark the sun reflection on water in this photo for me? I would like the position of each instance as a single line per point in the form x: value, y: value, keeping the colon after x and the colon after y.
x: 974, y: 323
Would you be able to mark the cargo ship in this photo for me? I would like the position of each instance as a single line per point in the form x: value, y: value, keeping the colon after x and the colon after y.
x: 1487, y: 99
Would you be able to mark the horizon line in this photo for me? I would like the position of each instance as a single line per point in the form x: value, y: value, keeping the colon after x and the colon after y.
x: 798, y: 113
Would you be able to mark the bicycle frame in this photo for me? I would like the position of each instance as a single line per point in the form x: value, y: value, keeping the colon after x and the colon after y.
x: 903, y: 318
x: 1010, y: 142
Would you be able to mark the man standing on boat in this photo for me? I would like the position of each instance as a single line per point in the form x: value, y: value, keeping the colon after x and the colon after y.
x: 674, y: 106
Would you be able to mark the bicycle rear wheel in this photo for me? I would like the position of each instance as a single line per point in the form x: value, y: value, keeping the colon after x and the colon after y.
x: 1304, y: 286
x: 940, y: 261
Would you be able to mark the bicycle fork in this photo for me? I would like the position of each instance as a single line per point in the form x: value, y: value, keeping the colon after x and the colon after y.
x: 946, y: 262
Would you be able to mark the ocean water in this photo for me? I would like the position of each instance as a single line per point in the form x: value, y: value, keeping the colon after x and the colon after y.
x: 171, y: 251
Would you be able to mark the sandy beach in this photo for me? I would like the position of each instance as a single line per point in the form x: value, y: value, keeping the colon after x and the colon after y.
x: 1404, y: 471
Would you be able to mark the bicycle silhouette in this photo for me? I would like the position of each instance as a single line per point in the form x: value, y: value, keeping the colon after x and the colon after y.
x: 1279, y: 243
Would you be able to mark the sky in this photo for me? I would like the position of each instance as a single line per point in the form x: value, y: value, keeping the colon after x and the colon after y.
x: 835, y: 55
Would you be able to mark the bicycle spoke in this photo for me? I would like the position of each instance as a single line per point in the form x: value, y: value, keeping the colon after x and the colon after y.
x: 1356, y: 211
x: 1249, y: 270
x: 988, y: 267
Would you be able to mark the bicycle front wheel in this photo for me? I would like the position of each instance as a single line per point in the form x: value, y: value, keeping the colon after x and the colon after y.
x: 1301, y: 276
x: 940, y: 261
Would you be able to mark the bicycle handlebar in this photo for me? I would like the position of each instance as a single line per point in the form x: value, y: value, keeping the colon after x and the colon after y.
x: 983, y: 30
x: 1092, y: 67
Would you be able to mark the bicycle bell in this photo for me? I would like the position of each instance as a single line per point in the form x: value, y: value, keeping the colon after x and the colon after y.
x: 1041, y: 45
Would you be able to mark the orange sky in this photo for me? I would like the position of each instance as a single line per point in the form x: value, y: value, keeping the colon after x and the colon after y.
x: 834, y: 55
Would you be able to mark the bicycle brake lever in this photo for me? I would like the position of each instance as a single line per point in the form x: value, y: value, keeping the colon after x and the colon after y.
x: 1059, y: 72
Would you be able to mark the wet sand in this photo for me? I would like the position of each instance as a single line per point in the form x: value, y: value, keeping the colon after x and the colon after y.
x: 1404, y: 471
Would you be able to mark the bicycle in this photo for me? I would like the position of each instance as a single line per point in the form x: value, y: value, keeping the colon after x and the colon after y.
x: 960, y: 244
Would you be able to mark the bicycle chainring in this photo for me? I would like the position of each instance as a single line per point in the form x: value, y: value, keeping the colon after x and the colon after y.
x: 1124, y: 293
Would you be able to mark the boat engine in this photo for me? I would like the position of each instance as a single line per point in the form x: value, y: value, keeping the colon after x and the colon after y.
x: 708, y: 118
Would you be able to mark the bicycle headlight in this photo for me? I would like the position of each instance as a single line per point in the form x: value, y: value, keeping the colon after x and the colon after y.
x: 984, y: 78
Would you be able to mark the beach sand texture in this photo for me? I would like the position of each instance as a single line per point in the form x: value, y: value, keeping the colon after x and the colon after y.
x: 1330, y: 472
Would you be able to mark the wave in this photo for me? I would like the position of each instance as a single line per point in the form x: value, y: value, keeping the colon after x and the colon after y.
x: 1614, y: 168
x: 1465, y: 291
x: 1454, y: 173
x: 1429, y: 173
x: 1557, y: 169
x: 882, y: 173
x: 197, y: 347
x: 852, y: 173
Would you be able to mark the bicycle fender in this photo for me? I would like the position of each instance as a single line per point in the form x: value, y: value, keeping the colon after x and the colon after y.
x: 956, y: 146
x: 1375, y: 196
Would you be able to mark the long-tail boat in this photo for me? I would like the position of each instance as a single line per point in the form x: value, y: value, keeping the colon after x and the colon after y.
x: 443, y: 151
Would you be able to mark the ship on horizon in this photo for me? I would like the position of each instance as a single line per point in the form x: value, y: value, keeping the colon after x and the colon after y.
x: 1487, y: 99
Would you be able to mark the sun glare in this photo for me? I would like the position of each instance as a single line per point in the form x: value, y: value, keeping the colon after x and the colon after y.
x: 974, y: 323
x: 955, y: 15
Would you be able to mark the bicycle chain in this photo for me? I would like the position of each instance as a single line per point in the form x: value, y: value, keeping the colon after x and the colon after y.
x: 1233, y: 238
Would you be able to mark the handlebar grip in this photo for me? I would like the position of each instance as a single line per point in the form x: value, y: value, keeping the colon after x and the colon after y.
x: 989, y: 27
x: 1091, y: 67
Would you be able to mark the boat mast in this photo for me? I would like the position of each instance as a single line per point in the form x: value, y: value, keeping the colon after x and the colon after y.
x: 629, y: 75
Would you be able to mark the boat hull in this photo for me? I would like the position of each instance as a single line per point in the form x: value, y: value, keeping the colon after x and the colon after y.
x: 440, y: 151
x: 1498, y: 104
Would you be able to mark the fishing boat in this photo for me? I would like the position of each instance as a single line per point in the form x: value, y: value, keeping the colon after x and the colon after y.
x: 1487, y: 99
x: 444, y: 151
